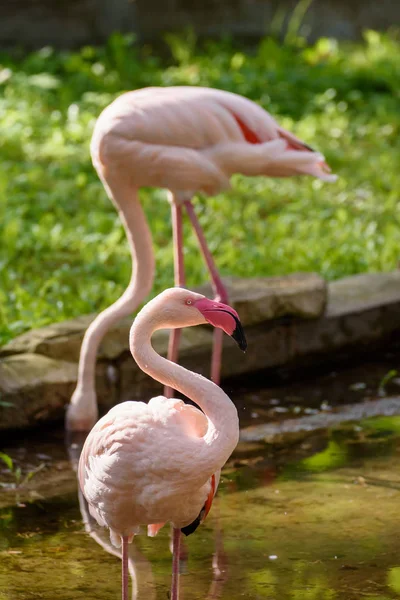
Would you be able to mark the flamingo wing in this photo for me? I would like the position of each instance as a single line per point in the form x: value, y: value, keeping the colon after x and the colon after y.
x: 191, y: 528
x: 154, y: 528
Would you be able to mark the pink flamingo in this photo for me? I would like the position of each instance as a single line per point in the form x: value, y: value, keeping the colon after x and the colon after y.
x: 185, y: 139
x: 158, y: 462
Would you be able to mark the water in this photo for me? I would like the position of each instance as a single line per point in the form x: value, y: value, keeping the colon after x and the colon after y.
x: 312, y: 519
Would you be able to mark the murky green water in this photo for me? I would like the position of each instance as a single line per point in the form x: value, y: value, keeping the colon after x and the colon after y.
x: 316, y: 522
x: 311, y: 517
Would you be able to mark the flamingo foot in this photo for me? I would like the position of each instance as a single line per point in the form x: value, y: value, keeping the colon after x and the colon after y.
x: 82, y: 412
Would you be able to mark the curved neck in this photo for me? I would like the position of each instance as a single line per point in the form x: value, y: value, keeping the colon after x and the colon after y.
x: 139, y: 239
x: 223, y: 425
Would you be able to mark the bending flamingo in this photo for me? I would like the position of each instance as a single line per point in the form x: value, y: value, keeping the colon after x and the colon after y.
x: 158, y: 462
x: 185, y: 139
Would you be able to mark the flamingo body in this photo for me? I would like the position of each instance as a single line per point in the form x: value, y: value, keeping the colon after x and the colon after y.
x: 189, y: 139
x: 144, y: 449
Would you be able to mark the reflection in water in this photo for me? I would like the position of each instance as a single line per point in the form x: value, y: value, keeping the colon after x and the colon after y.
x: 312, y: 520
x: 139, y: 567
x: 219, y: 561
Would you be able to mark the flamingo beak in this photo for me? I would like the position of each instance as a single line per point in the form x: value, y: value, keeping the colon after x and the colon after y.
x: 224, y: 317
x: 239, y: 337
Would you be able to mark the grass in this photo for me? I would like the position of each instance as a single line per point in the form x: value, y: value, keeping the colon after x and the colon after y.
x: 63, y: 251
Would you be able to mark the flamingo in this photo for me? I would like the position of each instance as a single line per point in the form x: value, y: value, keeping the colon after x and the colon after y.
x: 187, y: 140
x: 153, y: 463
x: 140, y: 570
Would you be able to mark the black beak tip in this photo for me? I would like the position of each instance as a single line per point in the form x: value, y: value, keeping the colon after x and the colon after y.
x: 239, y: 337
x: 243, y: 345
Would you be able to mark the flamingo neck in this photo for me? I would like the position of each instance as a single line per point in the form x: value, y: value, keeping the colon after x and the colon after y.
x: 223, y: 424
x: 140, y: 247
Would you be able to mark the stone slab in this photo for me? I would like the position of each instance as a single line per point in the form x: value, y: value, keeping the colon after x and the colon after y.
x: 291, y: 430
x: 256, y: 300
x: 259, y: 299
x: 58, y: 341
x: 361, y: 310
x: 35, y: 389
x: 363, y: 292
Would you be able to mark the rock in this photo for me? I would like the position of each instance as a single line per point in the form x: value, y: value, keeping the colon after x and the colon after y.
x: 35, y: 389
x: 258, y: 299
x: 261, y: 299
x: 363, y: 292
x: 361, y: 310
x: 291, y: 430
x: 58, y: 341
x: 63, y: 340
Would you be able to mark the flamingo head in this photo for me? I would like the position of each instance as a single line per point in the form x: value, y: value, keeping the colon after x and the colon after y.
x: 223, y: 316
x: 178, y: 307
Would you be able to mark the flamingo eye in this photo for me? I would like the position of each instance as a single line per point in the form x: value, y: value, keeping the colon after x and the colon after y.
x: 189, y: 302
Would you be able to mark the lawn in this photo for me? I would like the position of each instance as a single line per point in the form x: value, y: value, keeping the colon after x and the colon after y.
x: 63, y: 251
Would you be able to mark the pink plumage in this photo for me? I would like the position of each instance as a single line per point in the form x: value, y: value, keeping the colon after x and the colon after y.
x: 125, y: 472
x: 193, y: 139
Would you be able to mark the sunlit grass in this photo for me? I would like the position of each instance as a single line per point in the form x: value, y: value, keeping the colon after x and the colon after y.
x: 63, y: 250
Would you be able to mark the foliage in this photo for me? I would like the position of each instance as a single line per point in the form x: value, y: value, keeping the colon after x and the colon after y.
x: 19, y: 481
x: 64, y: 251
x: 385, y: 380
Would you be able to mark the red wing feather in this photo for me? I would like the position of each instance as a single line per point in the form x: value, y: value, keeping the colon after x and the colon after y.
x: 249, y: 135
x: 210, y: 498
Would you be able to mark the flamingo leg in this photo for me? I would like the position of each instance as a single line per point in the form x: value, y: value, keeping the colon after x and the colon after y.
x: 125, y: 554
x: 179, y: 274
x: 176, y: 542
x: 218, y: 287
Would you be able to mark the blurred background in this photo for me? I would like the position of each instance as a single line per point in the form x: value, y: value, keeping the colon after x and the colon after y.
x: 71, y: 24
x: 328, y: 71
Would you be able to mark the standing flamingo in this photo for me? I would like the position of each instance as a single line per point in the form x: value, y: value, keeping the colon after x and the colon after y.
x: 158, y: 462
x: 185, y: 139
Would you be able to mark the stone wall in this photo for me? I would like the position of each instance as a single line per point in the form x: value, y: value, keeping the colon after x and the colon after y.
x: 294, y: 321
x: 62, y: 23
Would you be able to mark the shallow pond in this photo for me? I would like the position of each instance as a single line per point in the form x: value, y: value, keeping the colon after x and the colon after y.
x: 316, y: 519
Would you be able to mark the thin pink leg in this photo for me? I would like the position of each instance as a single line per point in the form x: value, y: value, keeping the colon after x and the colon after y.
x: 176, y: 541
x: 179, y: 274
x: 125, y: 567
x: 218, y: 287
x: 179, y: 265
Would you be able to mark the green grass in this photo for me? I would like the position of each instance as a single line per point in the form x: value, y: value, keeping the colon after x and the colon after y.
x: 63, y: 251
